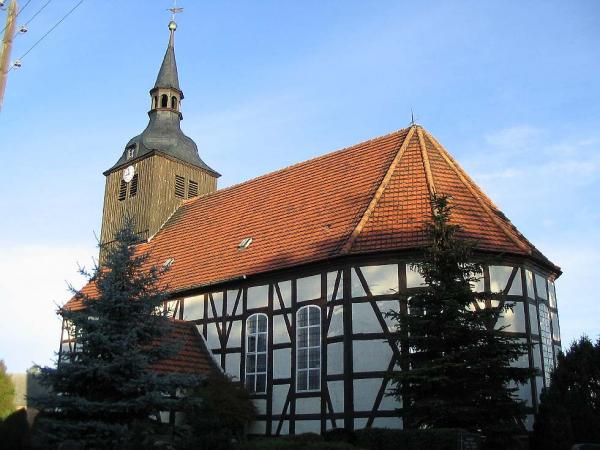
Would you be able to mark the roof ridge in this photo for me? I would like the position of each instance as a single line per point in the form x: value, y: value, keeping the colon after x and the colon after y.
x: 379, y: 192
x: 479, y: 196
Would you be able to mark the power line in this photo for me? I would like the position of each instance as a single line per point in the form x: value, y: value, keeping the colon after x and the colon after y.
x: 38, y: 11
x: 49, y: 31
x: 18, y: 12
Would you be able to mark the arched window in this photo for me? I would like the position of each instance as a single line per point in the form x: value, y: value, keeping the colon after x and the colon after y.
x: 164, y: 101
x: 256, y: 353
x: 308, y: 348
x: 173, y: 102
x: 155, y: 102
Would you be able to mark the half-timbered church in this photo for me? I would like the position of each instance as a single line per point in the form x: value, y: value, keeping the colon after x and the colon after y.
x: 283, y: 281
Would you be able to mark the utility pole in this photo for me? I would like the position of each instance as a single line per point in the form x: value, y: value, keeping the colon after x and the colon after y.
x: 9, y: 34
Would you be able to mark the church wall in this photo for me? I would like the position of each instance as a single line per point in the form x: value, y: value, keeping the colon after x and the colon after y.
x: 355, y: 358
x: 354, y: 355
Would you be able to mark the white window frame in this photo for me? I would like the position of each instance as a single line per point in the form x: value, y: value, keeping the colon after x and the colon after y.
x: 307, y: 370
x: 254, y: 354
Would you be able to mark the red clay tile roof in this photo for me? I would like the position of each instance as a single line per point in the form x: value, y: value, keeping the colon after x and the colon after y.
x: 371, y: 197
x: 193, y: 356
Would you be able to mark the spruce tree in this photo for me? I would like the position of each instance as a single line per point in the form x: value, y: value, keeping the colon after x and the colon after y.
x: 7, y: 392
x: 455, y: 367
x: 105, y: 394
x: 569, y: 410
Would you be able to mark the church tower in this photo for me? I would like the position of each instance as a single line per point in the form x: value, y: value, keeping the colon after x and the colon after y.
x: 158, y: 168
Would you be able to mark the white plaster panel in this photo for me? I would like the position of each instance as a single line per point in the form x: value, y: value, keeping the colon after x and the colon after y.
x: 356, y: 286
x: 286, y: 293
x: 258, y: 427
x: 499, y: 276
x: 280, y: 331
x: 381, y: 280
x: 232, y: 365
x: 193, y: 308
x: 261, y: 405
x: 389, y: 402
x: 218, y: 301
x: 336, y: 393
x: 557, y: 351
x: 513, y: 319
x: 533, y: 319
x: 365, y: 392
x: 385, y: 306
x: 212, y: 336
x: 523, y: 391
x: 331, y: 277
x: 309, y: 405
x: 529, y: 283
x: 235, y: 337
x: 540, y: 284
x: 285, y: 427
x: 280, y: 392
x: 257, y: 297
x: 555, y: 327
x: 360, y: 423
x: 539, y: 385
x: 517, y: 285
x: 308, y: 426
x: 336, y: 325
x: 370, y: 356
x: 552, y: 294
x: 282, y: 363
x: 231, y: 299
x: 523, y: 360
x: 388, y: 422
x: 335, y: 358
x: 171, y: 307
x: 308, y: 288
x: 413, y: 277
x: 364, y: 319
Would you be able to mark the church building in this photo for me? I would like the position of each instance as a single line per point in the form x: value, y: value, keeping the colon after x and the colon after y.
x: 283, y: 281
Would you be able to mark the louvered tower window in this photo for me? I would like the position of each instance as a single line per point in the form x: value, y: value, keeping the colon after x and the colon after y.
x: 192, y: 189
x: 179, y: 186
x: 134, y: 186
x: 122, y: 190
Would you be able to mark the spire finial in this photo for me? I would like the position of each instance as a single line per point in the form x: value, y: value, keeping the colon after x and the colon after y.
x: 412, y: 118
x: 172, y: 24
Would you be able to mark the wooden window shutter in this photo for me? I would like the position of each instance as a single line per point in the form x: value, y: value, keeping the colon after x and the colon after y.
x: 122, y: 190
x: 179, y: 186
x: 192, y: 189
x: 134, y: 186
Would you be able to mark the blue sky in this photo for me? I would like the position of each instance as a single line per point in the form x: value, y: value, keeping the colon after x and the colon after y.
x: 510, y: 88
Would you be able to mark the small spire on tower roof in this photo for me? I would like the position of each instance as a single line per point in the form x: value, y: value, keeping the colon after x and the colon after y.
x: 167, y: 75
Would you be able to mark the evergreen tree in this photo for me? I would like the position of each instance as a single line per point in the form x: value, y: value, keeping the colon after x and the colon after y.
x: 569, y: 410
x: 105, y: 395
x: 7, y: 392
x: 460, y: 374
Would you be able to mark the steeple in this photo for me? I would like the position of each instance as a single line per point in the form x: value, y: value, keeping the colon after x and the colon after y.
x: 167, y: 75
x: 159, y: 168
x: 163, y: 133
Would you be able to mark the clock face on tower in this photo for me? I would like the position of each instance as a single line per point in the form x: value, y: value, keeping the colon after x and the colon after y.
x: 128, y: 174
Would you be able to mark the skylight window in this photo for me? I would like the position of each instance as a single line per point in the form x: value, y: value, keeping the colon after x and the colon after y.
x: 245, y: 243
x: 168, y: 263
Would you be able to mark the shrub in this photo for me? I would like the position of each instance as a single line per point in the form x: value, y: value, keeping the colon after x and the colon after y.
x: 388, y: 439
x: 14, y: 431
x: 294, y: 443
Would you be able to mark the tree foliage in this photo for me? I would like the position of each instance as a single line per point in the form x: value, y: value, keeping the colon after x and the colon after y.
x: 460, y: 366
x: 7, y: 392
x: 569, y: 410
x: 105, y: 394
x: 220, y: 417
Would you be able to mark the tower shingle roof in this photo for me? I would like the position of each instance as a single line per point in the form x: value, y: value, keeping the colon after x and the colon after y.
x: 371, y: 197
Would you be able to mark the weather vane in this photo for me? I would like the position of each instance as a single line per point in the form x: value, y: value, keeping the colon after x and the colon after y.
x: 174, y: 10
